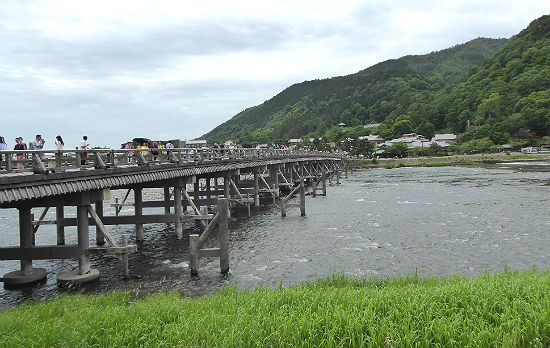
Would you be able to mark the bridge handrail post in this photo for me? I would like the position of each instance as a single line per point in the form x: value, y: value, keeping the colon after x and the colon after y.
x: 9, y: 165
x: 112, y: 161
x: 58, y: 160
x: 78, y: 158
x: 37, y: 164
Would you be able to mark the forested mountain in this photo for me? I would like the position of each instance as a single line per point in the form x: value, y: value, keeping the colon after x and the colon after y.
x: 508, y: 95
x: 494, y: 85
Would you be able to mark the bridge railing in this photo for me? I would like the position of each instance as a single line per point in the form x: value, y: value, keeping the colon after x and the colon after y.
x: 42, y: 161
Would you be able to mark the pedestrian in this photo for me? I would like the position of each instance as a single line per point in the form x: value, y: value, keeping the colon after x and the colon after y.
x: 3, y: 146
x: 129, y: 146
x: 169, y: 145
x: 38, y: 144
x: 154, y: 151
x: 19, y: 145
x: 84, y: 155
x: 59, y: 142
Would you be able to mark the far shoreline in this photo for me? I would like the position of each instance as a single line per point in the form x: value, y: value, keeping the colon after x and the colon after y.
x: 453, y: 160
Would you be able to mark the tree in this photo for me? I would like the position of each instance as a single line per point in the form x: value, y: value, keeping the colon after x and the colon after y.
x: 402, y: 127
x: 536, y: 110
x: 346, y: 117
x: 434, y: 150
x: 476, y: 145
x: 334, y: 134
x: 514, y: 123
x: 399, y: 149
x: 355, y: 122
x: 491, y: 109
x: 359, y: 111
x: 363, y: 147
x: 319, y: 145
x: 427, y: 129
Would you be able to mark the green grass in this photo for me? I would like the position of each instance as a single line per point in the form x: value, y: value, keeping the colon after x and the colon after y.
x: 510, y: 309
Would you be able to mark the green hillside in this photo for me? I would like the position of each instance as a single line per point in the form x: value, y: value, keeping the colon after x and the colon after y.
x: 496, y: 86
x: 508, y: 95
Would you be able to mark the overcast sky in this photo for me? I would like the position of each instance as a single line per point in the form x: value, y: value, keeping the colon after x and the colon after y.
x: 115, y: 70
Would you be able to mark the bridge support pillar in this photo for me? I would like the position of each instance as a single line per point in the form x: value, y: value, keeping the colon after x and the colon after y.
x: 59, y: 215
x: 167, y: 200
x: 84, y: 273
x: 208, y: 194
x: 178, y: 210
x: 256, y: 187
x: 324, y: 182
x: 138, y: 209
x: 290, y: 172
x: 226, y: 192
x: 99, y: 238
x: 27, y: 275
x: 196, y: 192
x: 223, y: 235
x: 302, y: 197
x: 274, y: 179
x: 82, y: 227
x: 216, y: 185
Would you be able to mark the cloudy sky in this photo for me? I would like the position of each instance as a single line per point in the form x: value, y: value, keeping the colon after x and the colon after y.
x: 115, y: 70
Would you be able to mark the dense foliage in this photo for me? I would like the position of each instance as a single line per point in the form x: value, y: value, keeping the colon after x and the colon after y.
x: 489, y: 89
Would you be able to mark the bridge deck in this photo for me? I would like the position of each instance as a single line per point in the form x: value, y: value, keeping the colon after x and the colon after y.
x: 67, y: 176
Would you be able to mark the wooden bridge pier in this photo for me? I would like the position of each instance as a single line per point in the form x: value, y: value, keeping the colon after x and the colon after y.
x: 27, y: 273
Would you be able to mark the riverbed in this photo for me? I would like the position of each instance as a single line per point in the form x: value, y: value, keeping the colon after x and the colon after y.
x: 378, y: 223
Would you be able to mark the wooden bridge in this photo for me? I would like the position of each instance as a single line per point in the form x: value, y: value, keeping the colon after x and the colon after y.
x: 192, y: 177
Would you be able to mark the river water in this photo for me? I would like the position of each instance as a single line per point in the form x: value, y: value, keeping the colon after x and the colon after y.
x: 377, y: 223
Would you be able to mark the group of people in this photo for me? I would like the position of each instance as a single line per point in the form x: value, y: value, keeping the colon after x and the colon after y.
x: 154, y: 146
x: 38, y: 144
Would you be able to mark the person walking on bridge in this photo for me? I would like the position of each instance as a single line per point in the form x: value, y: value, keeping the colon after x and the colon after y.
x: 38, y: 144
x: 129, y: 154
x: 59, y: 144
x: 19, y: 145
x: 84, y: 146
x: 3, y: 146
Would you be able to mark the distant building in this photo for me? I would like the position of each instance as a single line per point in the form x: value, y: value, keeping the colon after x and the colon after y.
x: 195, y: 142
x: 375, y: 139
x: 371, y: 125
x: 229, y: 143
x: 446, y: 138
x: 294, y: 141
x: 411, y: 139
x: 342, y: 125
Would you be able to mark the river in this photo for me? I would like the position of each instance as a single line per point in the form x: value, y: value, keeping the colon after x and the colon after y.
x: 378, y: 223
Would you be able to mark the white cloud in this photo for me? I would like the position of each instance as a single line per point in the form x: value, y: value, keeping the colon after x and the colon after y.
x: 117, y: 69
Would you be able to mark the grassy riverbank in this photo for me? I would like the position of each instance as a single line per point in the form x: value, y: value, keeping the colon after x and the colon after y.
x: 510, y: 309
x: 454, y: 160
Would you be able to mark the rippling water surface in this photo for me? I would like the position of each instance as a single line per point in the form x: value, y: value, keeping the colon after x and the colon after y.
x: 444, y: 220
